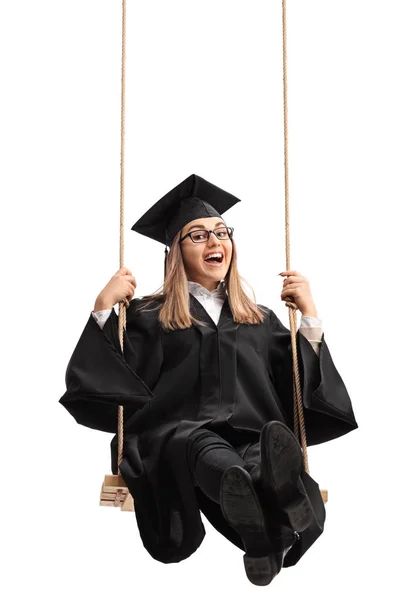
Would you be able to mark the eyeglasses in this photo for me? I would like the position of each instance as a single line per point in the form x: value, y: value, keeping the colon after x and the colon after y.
x: 199, y: 236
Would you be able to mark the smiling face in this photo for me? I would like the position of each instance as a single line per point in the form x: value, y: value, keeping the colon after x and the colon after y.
x: 208, y: 274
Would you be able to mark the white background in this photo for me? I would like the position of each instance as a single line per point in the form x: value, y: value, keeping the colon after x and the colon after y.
x: 204, y: 96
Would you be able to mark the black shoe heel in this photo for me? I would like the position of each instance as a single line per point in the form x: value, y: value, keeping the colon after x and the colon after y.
x: 299, y: 512
x: 260, y: 570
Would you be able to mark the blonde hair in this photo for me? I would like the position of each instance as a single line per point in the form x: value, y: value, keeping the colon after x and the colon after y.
x: 174, y: 295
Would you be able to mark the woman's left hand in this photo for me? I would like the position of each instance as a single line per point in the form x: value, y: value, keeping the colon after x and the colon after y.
x: 298, y: 288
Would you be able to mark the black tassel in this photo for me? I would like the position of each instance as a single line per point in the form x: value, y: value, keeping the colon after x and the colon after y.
x: 165, y: 262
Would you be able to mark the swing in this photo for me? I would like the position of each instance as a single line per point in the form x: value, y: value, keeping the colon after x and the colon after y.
x: 114, y: 491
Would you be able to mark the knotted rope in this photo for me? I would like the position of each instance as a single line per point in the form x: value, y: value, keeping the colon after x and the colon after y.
x: 297, y: 395
x: 124, y: 303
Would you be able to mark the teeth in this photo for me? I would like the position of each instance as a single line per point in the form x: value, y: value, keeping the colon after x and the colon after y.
x: 215, y: 255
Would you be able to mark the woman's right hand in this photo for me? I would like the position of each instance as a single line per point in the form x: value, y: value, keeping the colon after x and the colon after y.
x: 121, y: 285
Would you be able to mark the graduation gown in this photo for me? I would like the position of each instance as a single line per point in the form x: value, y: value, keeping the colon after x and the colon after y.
x: 223, y: 377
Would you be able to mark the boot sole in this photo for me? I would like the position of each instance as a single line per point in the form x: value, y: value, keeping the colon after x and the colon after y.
x: 281, y: 467
x: 242, y: 510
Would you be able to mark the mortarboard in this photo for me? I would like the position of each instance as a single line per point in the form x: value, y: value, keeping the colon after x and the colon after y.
x: 191, y: 199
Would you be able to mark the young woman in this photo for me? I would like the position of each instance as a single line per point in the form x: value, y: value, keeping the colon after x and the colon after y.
x: 205, y: 377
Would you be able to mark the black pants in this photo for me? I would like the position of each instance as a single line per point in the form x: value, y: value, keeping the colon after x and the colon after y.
x: 209, y: 455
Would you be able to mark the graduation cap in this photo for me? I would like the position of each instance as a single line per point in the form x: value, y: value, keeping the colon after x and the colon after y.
x: 191, y: 199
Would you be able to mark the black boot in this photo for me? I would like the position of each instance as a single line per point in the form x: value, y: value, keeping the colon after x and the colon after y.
x: 281, y: 465
x: 242, y: 510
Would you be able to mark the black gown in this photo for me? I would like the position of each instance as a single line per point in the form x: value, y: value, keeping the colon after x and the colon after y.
x: 225, y: 377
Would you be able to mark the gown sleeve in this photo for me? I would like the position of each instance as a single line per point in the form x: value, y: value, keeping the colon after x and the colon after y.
x: 100, y: 377
x: 327, y: 408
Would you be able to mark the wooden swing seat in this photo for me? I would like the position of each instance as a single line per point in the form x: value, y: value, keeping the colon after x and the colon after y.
x: 114, y: 492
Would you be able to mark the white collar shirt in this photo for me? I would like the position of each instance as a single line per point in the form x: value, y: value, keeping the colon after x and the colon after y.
x: 211, y: 301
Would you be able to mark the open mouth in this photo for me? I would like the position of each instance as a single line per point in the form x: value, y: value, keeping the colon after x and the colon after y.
x: 214, y: 261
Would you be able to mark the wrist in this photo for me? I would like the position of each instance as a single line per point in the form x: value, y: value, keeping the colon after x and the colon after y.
x: 102, y: 304
x: 310, y: 313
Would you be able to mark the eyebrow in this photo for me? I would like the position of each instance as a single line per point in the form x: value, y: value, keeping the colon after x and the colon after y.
x: 201, y: 226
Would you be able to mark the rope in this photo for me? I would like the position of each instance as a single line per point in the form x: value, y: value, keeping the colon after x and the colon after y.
x: 299, y: 425
x: 124, y: 303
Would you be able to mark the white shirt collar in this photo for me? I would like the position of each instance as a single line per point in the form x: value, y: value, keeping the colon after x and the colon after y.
x: 197, y: 289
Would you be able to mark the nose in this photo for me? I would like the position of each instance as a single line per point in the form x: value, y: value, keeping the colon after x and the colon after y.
x: 213, y: 238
